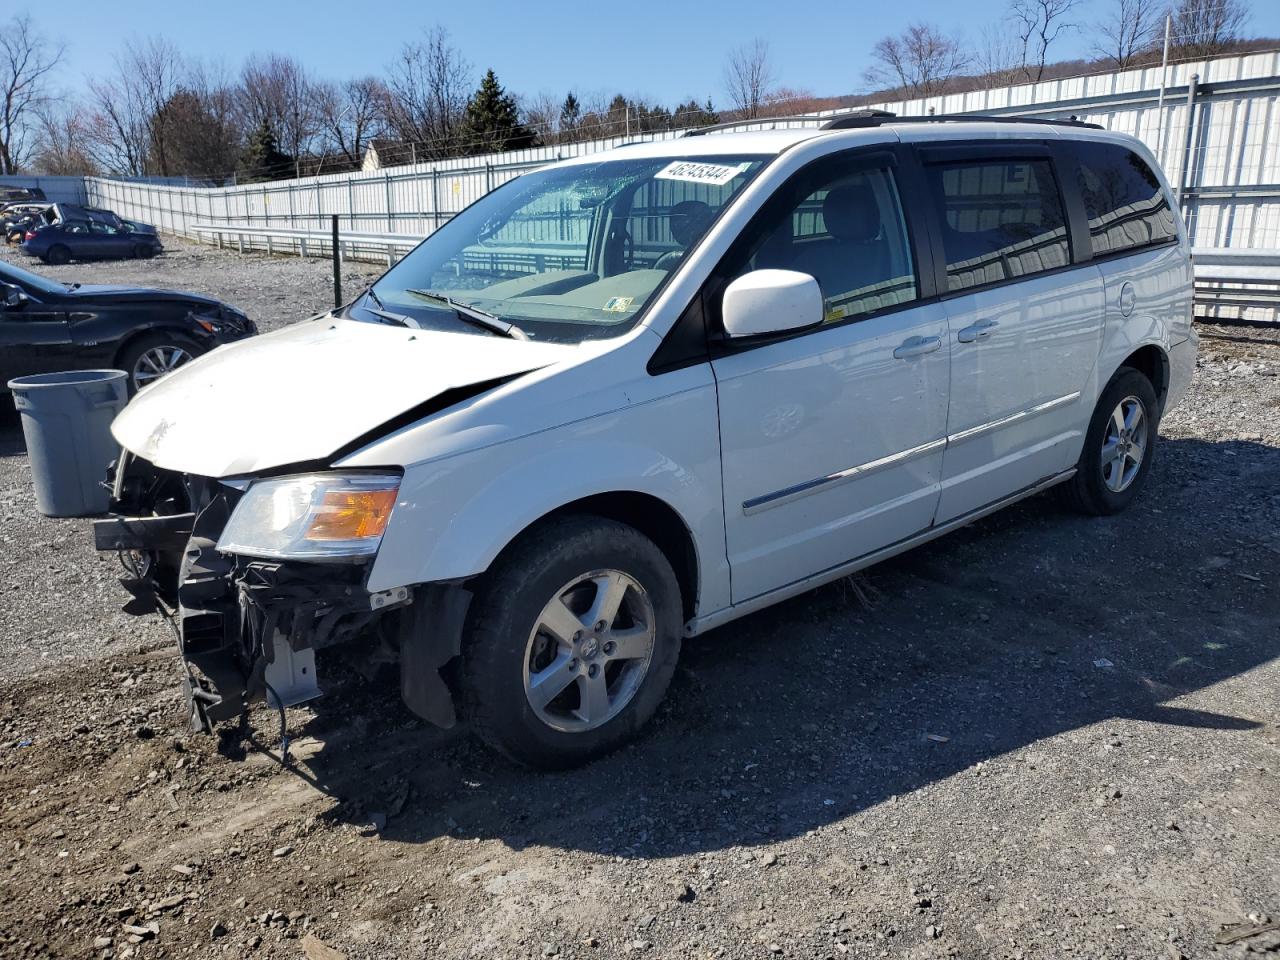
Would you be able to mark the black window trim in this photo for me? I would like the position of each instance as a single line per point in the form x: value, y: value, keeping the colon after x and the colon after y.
x: 1079, y: 252
x: 889, y: 156
x: 924, y: 236
x: 1071, y: 151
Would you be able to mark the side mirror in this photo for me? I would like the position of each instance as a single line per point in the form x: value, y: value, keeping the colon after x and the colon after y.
x: 771, y: 301
x: 11, y: 296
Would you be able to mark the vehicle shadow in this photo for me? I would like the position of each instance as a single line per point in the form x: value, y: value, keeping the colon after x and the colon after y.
x: 1030, y: 624
x: 12, y: 443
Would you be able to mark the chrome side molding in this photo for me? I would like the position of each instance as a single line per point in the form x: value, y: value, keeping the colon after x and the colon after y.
x: 787, y: 494
x: 1026, y: 414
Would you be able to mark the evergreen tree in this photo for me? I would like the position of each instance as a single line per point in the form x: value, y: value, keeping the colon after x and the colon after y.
x: 493, y: 120
x: 694, y: 114
x: 570, y: 117
x: 263, y: 159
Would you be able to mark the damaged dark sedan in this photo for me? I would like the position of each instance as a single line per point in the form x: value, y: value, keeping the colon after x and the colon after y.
x: 48, y: 326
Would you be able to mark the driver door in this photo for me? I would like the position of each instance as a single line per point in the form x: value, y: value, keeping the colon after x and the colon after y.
x: 34, y: 338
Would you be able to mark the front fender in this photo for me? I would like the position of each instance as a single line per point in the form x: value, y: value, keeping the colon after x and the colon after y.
x: 456, y: 514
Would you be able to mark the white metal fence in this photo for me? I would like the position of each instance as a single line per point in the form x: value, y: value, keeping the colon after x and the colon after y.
x: 1220, y: 149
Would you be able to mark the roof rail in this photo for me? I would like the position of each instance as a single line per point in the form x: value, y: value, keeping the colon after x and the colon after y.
x: 874, y: 118
x: 858, y: 118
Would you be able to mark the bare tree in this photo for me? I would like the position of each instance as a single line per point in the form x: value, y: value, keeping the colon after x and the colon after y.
x: 1130, y: 29
x: 1038, y: 24
x: 999, y: 56
x: 428, y: 88
x: 1204, y: 28
x: 26, y: 61
x: 541, y: 114
x: 127, y: 129
x: 63, y: 145
x: 275, y: 90
x: 920, y: 61
x: 116, y: 127
x: 349, y: 115
x: 154, y: 67
x: 748, y: 77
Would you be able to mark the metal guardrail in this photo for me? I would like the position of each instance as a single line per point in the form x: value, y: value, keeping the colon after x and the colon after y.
x: 1237, y: 285
x: 308, y: 243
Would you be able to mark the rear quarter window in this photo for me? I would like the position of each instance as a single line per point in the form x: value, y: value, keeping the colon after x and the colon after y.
x: 1123, y: 199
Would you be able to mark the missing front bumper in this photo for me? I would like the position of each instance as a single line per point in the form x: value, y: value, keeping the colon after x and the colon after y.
x: 248, y: 630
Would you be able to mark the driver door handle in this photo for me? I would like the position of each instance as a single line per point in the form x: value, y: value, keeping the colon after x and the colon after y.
x: 978, y: 331
x: 916, y: 347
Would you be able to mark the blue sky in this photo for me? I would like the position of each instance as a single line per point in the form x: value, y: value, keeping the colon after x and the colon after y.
x: 662, y: 49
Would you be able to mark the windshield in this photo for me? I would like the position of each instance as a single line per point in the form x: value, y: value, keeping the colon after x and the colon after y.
x: 11, y: 274
x: 566, y: 253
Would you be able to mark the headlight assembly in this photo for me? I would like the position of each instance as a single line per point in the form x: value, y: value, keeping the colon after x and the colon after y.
x: 315, y: 516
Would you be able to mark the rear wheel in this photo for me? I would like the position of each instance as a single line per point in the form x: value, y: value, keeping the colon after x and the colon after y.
x: 58, y: 255
x: 571, y: 642
x: 1118, y: 446
x: 149, y: 359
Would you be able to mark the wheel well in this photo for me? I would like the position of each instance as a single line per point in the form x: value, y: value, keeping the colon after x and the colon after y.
x: 657, y: 521
x: 146, y: 333
x: 1152, y: 363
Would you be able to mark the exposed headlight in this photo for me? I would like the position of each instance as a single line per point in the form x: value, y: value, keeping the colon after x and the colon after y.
x: 314, y: 516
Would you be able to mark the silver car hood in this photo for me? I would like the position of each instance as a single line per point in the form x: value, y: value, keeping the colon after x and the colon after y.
x: 302, y: 393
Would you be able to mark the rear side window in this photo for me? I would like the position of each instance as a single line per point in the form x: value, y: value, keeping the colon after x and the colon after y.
x: 1001, y: 220
x: 1126, y: 207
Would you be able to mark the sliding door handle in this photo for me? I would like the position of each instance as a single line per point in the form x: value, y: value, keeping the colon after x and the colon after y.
x: 916, y: 347
x: 978, y: 331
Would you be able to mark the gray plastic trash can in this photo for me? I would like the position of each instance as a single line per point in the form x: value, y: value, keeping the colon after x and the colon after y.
x: 66, y: 419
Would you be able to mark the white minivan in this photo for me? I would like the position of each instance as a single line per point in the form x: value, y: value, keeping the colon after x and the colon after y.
x: 629, y: 397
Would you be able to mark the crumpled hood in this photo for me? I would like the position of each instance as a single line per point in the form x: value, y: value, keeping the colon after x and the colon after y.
x: 301, y: 393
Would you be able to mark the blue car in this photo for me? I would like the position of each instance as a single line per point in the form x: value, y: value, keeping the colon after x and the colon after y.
x: 87, y: 240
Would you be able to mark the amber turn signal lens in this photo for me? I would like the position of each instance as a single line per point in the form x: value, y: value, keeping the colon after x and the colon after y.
x: 352, y: 515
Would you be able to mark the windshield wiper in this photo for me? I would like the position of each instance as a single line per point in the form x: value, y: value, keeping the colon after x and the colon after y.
x: 474, y: 315
x: 397, y: 318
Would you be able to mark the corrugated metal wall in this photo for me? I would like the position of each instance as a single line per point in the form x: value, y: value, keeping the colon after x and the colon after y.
x: 56, y: 189
x: 1230, y: 175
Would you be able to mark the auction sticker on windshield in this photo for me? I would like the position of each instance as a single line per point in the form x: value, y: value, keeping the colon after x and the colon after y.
x: 715, y: 174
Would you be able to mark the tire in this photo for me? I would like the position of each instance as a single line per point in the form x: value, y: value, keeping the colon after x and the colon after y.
x: 144, y: 372
x: 143, y: 252
x: 1106, y: 483
x: 507, y: 651
x: 58, y: 255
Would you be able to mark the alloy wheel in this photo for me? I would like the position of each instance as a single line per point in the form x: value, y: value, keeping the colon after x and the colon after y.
x: 156, y: 362
x: 589, y: 651
x: 1124, y: 444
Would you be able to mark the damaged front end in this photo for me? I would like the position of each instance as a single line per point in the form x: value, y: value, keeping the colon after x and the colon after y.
x: 248, y: 627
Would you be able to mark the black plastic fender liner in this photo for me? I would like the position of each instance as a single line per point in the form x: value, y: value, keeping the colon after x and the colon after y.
x: 431, y: 636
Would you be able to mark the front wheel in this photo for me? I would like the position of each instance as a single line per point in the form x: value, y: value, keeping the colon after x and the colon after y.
x: 1118, y: 446
x: 149, y: 359
x: 571, y: 642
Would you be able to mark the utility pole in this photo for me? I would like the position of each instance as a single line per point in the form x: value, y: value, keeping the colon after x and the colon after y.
x: 1164, y: 80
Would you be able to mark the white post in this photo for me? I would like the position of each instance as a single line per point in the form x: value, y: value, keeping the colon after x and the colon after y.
x: 1164, y: 80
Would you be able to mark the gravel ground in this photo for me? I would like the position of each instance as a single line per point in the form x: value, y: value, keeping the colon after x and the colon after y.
x: 1042, y: 736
